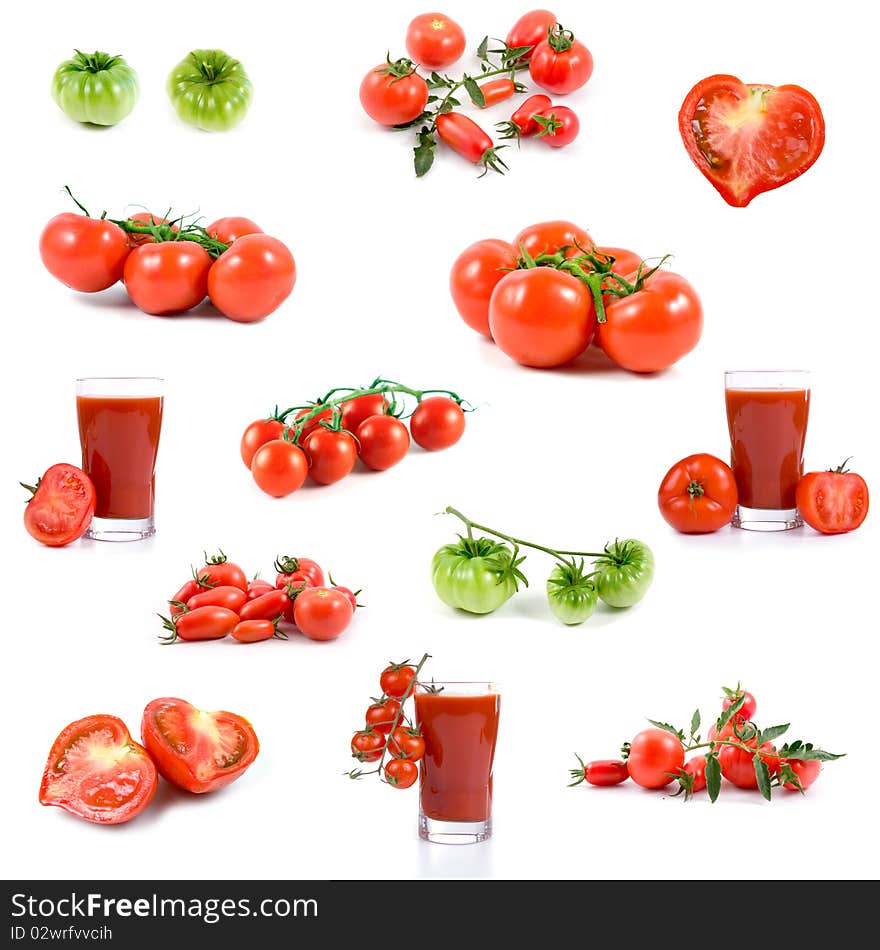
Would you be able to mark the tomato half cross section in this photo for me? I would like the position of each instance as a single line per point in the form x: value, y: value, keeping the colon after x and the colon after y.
x: 747, y: 138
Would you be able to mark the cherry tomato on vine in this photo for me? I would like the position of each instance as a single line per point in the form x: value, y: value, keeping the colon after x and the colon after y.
x: 279, y: 468
x: 748, y: 709
x: 625, y: 261
x: 189, y: 589
x: 354, y: 411
x: 401, y: 773
x: 219, y: 570
x: 86, y: 254
x: 168, y: 277
x: 395, y: 679
x: 558, y: 126
x: 205, y: 623
x: 560, y: 63
x: 380, y: 716
x: 268, y: 606
x: 255, y: 631
x: 384, y: 441
x: 495, y: 91
x: 332, y: 454
x: 698, y: 495
x: 325, y: 415
x: 807, y: 771
x: 367, y: 745
x: 61, y: 505
x: 464, y: 136
x: 252, y: 279
x: 547, y: 237
x: 258, y: 433
x: 291, y: 570
x: 222, y: 596
x: 434, y: 41
x: 322, y: 613
x: 697, y: 768
x: 738, y: 766
x: 437, y: 423
x: 407, y: 743
x: 833, y: 502
x: 655, y: 755
x: 475, y: 274
x: 227, y: 230
x: 522, y: 122
x: 393, y: 93
x: 530, y: 30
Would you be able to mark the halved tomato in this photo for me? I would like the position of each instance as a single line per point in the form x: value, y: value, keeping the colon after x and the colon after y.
x: 195, y: 750
x: 96, y: 771
x: 747, y: 138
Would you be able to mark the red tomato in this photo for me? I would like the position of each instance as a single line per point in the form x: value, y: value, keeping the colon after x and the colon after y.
x: 560, y: 63
x: 832, y: 502
x: 195, y: 750
x: 548, y: 237
x: 624, y: 262
x: 655, y: 327
x: 322, y: 613
x: 437, y: 423
x: 256, y: 434
x: 255, y: 631
x: 384, y: 441
x: 381, y: 716
x: 394, y: 93
x: 86, y: 254
x: 331, y: 454
x: 541, y: 316
x: 530, y: 30
x: 61, y: 505
x: 219, y: 571
x: 233, y: 598
x: 96, y: 771
x: 268, y: 606
x: 495, y: 91
x: 204, y: 623
x: 475, y: 274
x: 395, y: 679
x: 738, y: 766
x: 257, y: 588
x: 252, y: 279
x: 354, y: 411
x: 227, y: 230
x: 750, y: 138
x: 807, y: 771
x: 434, y: 40
x: 407, y: 743
x: 167, y: 278
x: 606, y: 772
x: 557, y: 126
x: 401, y: 773
x: 279, y: 468
x: 189, y: 589
x: 146, y: 218
x: 748, y: 709
x: 326, y: 415
x: 652, y: 755
x: 698, y: 494
x: 726, y: 733
x: 464, y: 136
x: 697, y: 768
x: 351, y: 595
x: 367, y: 745
x: 292, y: 569
x: 523, y: 122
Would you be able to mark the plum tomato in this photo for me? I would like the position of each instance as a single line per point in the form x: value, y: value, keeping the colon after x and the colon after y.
x: 548, y: 237
x: 393, y: 93
x: 322, y: 613
x: 252, y: 279
x: 203, y: 623
x: 367, y: 745
x: 832, y: 502
x: 258, y: 433
x: 530, y: 30
x: 434, y: 41
x: 698, y: 495
x: 395, y: 679
x: 279, y: 467
x: 227, y: 230
x: 407, y: 743
x: 85, y: 254
x: 383, y: 440
x: 523, y: 121
x: 224, y: 595
x: 168, y: 277
x: 268, y: 606
x: 475, y: 274
x: 655, y: 755
x: 61, y: 505
x: 437, y: 423
x: 332, y: 454
x: 560, y: 63
x: 401, y: 773
x: 258, y: 587
x: 255, y: 631
x: 380, y: 716
x: 468, y: 139
x: 188, y: 590
x: 603, y: 772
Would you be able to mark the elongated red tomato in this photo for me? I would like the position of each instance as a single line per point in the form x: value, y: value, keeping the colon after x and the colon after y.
x: 86, y: 254
x: 698, y: 494
x: 205, y: 623
x: 495, y: 91
x: 523, y: 119
x: 61, y: 505
x: 464, y: 136
x: 252, y: 279
x: 188, y: 590
x: 606, y: 772
x: 475, y: 274
x: 167, y: 278
x: 255, y: 631
x: 529, y: 30
x: 224, y: 595
x: 267, y: 606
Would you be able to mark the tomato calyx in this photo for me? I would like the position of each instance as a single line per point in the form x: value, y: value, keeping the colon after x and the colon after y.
x: 203, y: 580
x: 397, y: 69
x: 547, y: 125
x: 95, y: 62
x: 560, y: 39
x: 492, y: 161
x: 840, y: 470
x: 31, y: 488
x: 570, y: 576
x: 579, y: 774
x: 169, y: 624
x: 695, y: 490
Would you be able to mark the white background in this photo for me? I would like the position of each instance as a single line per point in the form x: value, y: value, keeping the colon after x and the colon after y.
x: 571, y: 457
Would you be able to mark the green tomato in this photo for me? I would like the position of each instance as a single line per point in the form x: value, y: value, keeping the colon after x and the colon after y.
x: 210, y: 90
x: 95, y: 88
x: 624, y: 573
x: 476, y: 574
x: 572, y: 597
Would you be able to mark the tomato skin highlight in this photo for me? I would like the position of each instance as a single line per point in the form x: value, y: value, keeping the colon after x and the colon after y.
x: 475, y: 274
x: 252, y: 279
x: 833, y: 502
x: 434, y: 40
x: 437, y: 423
x: 698, y: 495
x: 530, y: 30
x: 392, y: 101
x: 464, y: 136
x: 61, y: 509
x: 279, y: 468
x: 227, y: 230
x: 322, y: 613
x: 167, y: 278
x: 85, y: 254
x: 384, y: 442
x: 332, y: 455
x: 606, y: 772
x: 258, y: 433
x: 653, y: 753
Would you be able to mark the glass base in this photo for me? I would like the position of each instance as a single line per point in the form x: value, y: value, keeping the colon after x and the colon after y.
x: 766, y: 519
x: 121, y: 529
x: 454, y: 832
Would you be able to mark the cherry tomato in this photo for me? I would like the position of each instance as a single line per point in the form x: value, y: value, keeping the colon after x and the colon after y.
x: 326, y: 415
x: 475, y: 274
x: 322, y: 613
x: 542, y: 316
x: 219, y: 570
x: 367, y: 745
x: 189, y: 590
x: 557, y: 126
x: 407, y: 743
x: 146, y: 218
x: 697, y: 768
x: 205, y: 623
x: 464, y: 136
x: 738, y: 766
x: 61, y: 506
x: 252, y: 279
x: 167, y: 278
x: 655, y: 755
x: 255, y: 631
x: 354, y: 411
x: 257, y: 587
x: 529, y: 30
x: 434, y: 40
x: 86, y: 254
x: 227, y: 230
x: 384, y: 441
x: 437, y: 423
x: 748, y: 709
x: 548, y: 237
x: 331, y: 454
x: 291, y: 569
x: 380, y: 716
x: 560, y: 63
x: 394, y: 93
x: 395, y: 679
x: 401, y: 773
x: 832, y: 502
x: 279, y: 468
x: 807, y: 771
x: 698, y: 495
x: 256, y: 434
x: 268, y: 606
x: 523, y: 119
x: 222, y: 596
x: 606, y: 772
x: 495, y: 91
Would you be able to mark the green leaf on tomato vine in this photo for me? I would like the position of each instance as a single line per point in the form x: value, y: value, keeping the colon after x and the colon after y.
x: 473, y: 90
x: 805, y: 752
x: 482, y: 48
x: 696, y: 719
x: 423, y: 153
x: 762, y: 774
x: 713, y: 776
x: 729, y: 713
x: 667, y: 728
x: 774, y: 732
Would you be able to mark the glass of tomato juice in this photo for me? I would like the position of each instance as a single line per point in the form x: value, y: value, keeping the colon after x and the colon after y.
x: 767, y: 412
x: 120, y: 419
x: 459, y: 722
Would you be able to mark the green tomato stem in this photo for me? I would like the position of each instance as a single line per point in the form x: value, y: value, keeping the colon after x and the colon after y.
x: 499, y: 71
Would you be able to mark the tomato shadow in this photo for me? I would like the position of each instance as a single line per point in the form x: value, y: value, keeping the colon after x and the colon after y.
x: 537, y: 608
x: 167, y: 796
x: 593, y: 362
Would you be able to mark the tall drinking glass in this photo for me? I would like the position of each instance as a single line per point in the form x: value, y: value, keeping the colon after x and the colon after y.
x: 767, y: 412
x: 459, y: 722
x: 120, y: 419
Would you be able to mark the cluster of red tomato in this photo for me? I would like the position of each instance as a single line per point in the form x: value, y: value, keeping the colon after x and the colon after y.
x: 324, y: 440
x: 220, y: 601
x: 387, y: 731
x: 97, y: 772
x: 169, y: 267
x: 551, y: 292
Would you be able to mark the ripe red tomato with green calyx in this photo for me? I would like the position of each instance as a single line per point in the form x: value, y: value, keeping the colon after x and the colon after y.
x: 322, y: 613
x: 354, y: 411
x: 806, y: 770
x: 495, y: 91
x: 268, y: 606
x: 255, y: 631
x: 222, y: 596
x: 548, y: 237
x: 833, y: 502
x: 750, y: 138
x: 727, y: 732
x: 188, y: 590
x: 464, y: 136
x: 219, y: 570
x: 85, y: 254
x: 384, y: 441
x: 738, y: 766
x: 530, y: 30
x: 203, y: 623
x: 475, y: 274
x: 195, y: 750
x: 560, y: 63
x: 331, y: 453
x: 655, y: 755
x: 523, y: 121
x: 394, y: 93
x: 746, y: 712
x: 168, y: 277
x: 227, y: 230
x: 558, y: 126
x: 279, y: 468
x: 291, y: 569
x: 541, y: 316
x: 602, y: 772
x: 395, y: 679
x: 325, y: 415
x: 381, y: 716
x: 698, y: 495
x: 654, y: 327
x: 407, y: 743
x: 258, y: 433
x: 401, y: 773
x: 252, y: 279
x: 696, y: 768
x: 148, y: 219
x: 96, y: 771
x: 437, y: 423
x: 434, y: 40
x: 367, y: 745
x: 61, y: 505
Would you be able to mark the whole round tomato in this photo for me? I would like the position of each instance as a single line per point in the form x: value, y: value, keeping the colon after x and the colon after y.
x: 258, y: 433
x: 558, y: 126
x: 832, y: 502
x: 655, y: 755
x: 548, y: 237
x: 560, y: 63
x: 401, y: 773
x: 408, y: 743
x: 61, y: 506
x: 220, y: 571
x: 655, y: 327
x: 331, y: 454
x: 477, y: 575
x: 698, y: 495
x: 85, y: 254
x: 393, y: 93
x: 807, y: 771
x: 738, y: 766
x: 381, y: 716
x: 168, y: 277
x: 475, y: 274
x: 227, y: 230
x: 696, y: 767
x: 572, y: 597
x: 367, y: 745
x: 437, y: 423
x: 384, y: 441
x: 279, y: 467
x: 147, y: 219
x: 354, y: 411
x: 624, y: 573
x: 541, y: 316
x: 210, y: 90
x: 396, y: 678
x: 748, y: 709
x: 530, y: 30
x: 434, y: 40
x: 322, y: 613
x: 252, y: 279
x: 95, y: 88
